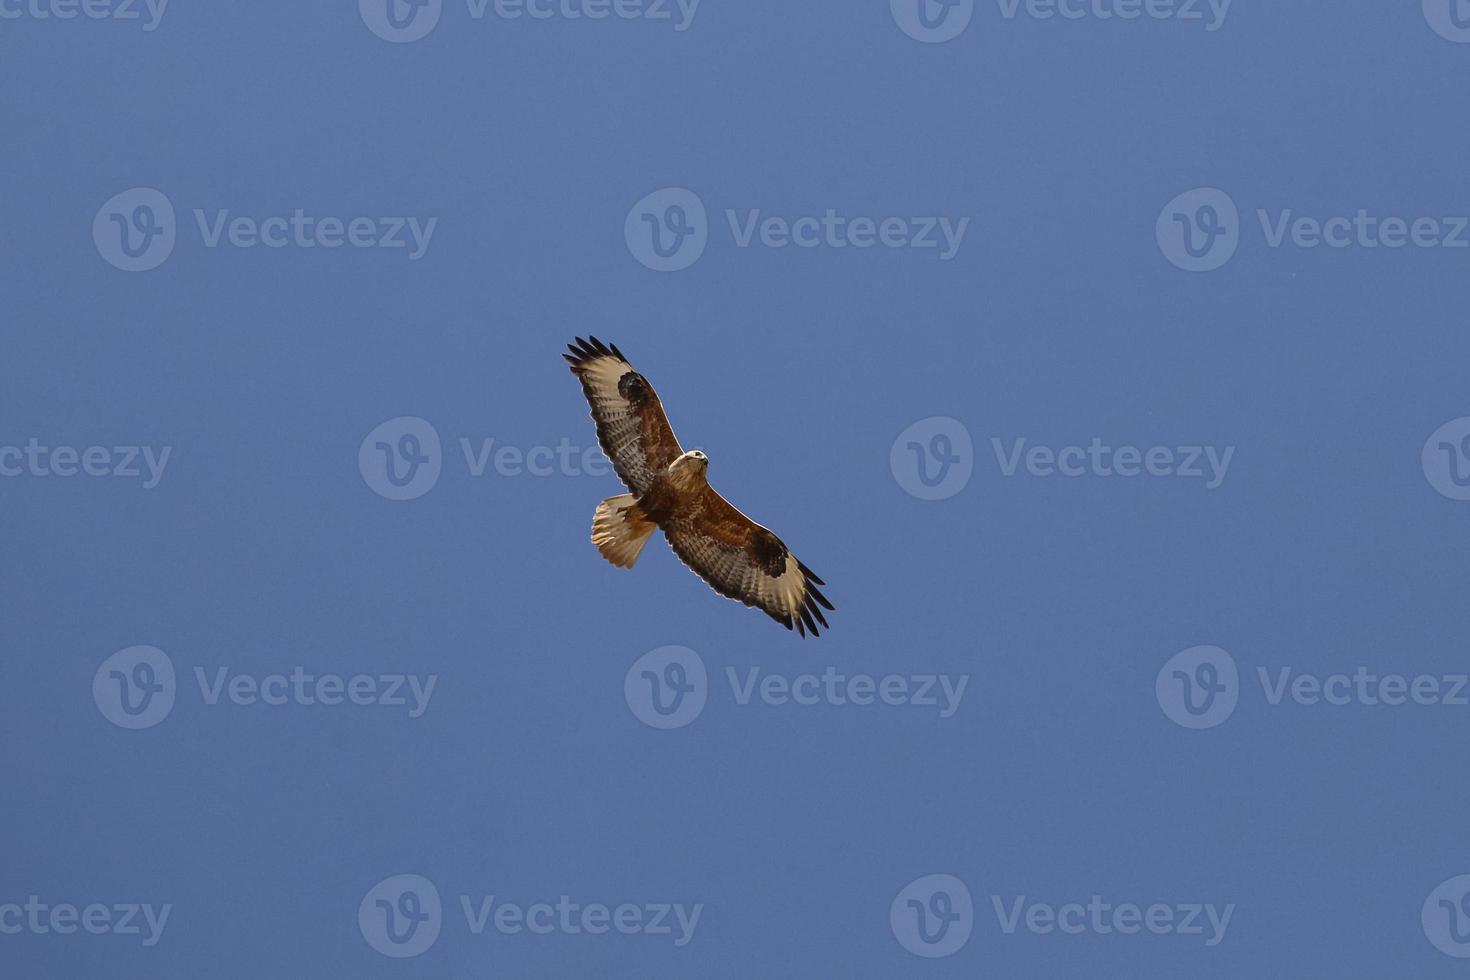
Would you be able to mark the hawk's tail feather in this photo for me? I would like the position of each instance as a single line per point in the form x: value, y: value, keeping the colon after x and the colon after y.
x: 620, y: 529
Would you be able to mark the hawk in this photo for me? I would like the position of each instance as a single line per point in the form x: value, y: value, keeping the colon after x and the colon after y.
x: 736, y: 556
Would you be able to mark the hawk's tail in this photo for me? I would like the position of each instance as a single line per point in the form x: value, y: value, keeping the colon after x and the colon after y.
x: 620, y: 529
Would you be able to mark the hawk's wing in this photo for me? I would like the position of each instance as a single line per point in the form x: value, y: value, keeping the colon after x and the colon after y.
x: 631, y: 425
x: 746, y: 562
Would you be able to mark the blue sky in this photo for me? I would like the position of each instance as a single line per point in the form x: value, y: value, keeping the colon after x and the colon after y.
x: 1108, y: 368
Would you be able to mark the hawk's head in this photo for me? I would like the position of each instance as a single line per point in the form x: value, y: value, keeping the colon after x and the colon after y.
x: 689, y: 468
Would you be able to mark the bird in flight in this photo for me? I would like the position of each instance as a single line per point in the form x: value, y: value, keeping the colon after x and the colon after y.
x: 736, y: 556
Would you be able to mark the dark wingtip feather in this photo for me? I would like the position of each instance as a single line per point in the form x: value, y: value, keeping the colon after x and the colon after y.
x: 590, y: 349
x: 806, y: 617
x: 816, y: 594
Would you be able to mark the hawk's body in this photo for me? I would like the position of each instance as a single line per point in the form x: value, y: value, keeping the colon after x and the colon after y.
x: 736, y: 556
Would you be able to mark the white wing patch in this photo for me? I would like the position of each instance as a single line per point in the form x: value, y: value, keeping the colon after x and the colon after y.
x: 624, y: 427
x: 791, y: 598
x: 784, y: 594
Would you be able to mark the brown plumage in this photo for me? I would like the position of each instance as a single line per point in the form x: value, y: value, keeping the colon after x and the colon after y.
x: 735, y: 555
